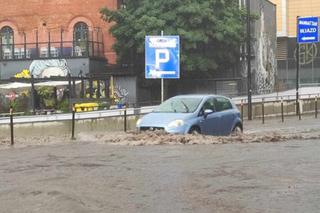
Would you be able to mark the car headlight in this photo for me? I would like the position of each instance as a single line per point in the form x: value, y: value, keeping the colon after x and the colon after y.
x: 138, y: 122
x: 176, y: 123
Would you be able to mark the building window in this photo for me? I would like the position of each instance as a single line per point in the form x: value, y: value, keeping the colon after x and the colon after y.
x: 7, y: 40
x: 80, y: 39
x: 121, y: 4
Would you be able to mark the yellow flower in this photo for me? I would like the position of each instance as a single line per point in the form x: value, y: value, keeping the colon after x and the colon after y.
x: 23, y: 74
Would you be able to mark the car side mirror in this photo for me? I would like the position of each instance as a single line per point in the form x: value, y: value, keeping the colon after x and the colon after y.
x: 207, y: 112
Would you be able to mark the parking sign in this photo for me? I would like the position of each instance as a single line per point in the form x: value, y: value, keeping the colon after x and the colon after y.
x: 162, y: 57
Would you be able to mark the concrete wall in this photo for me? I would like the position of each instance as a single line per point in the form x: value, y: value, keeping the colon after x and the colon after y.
x: 64, y: 127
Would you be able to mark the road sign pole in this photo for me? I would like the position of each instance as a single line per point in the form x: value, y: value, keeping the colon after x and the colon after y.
x: 11, y: 125
x: 162, y: 90
x: 162, y: 82
x: 298, y: 68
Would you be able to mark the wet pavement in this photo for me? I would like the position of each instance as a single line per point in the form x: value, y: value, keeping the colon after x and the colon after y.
x: 271, y: 168
x: 91, y: 177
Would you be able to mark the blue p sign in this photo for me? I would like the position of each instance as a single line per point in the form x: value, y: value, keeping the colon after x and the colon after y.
x: 162, y: 57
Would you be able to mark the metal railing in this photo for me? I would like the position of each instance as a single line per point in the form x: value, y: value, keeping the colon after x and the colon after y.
x: 281, y: 107
x: 63, y: 49
x: 262, y: 107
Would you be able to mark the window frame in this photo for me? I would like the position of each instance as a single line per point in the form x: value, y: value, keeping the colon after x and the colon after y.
x: 201, y: 112
x: 222, y: 100
x: 4, y: 32
x: 83, y: 28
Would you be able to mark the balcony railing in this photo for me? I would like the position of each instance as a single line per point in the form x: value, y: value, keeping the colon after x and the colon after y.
x: 47, y: 50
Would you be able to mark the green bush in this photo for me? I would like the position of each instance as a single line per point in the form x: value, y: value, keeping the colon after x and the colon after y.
x: 63, y: 105
x: 47, y: 98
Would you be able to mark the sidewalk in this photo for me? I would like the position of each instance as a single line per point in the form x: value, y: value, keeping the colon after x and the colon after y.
x: 304, y: 92
x: 291, y: 124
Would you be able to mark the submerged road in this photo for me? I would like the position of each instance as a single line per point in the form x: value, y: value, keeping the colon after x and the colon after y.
x: 83, y: 177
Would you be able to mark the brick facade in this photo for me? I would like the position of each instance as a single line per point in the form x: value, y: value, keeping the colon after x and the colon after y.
x: 26, y: 17
x: 287, y: 12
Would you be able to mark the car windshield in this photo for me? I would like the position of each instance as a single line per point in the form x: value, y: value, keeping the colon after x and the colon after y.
x: 179, y: 105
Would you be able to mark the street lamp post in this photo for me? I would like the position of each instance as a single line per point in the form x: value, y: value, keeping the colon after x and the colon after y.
x: 249, y: 60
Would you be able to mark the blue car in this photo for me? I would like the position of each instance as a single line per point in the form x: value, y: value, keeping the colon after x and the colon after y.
x: 194, y: 114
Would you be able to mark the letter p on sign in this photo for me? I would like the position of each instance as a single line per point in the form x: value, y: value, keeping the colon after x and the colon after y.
x: 162, y: 57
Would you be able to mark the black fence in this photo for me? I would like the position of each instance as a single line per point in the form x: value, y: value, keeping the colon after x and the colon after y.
x: 309, y: 72
x: 57, y: 94
x: 53, y: 43
x: 309, y: 59
x: 41, y: 50
x: 230, y: 87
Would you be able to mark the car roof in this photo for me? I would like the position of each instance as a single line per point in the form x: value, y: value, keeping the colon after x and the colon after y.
x: 198, y: 96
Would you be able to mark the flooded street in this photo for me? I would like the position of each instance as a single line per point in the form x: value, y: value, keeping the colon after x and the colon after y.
x: 91, y: 90
x: 270, y: 168
x: 93, y: 177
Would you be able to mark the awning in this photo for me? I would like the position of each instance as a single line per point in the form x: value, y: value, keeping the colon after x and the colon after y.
x: 54, y: 83
x: 15, y: 85
x: 18, y: 85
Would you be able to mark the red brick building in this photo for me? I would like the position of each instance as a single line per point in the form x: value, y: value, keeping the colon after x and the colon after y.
x: 55, y: 29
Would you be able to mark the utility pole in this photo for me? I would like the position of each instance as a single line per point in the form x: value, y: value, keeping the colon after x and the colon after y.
x: 249, y: 60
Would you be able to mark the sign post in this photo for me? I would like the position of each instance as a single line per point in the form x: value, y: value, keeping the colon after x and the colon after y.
x: 162, y: 58
x: 307, y: 32
x: 162, y: 82
x: 162, y: 90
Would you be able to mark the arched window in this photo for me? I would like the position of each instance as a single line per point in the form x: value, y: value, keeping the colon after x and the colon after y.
x: 7, y: 40
x: 7, y: 35
x: 80, y: 39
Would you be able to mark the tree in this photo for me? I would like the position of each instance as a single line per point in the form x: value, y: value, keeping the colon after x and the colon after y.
x: 211, y: 31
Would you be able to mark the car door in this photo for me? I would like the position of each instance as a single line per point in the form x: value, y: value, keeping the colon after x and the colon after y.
x: 224, y: 107
x: 210, y: 124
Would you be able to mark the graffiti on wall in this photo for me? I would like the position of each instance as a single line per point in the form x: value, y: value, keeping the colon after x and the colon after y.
x: 48, y: 68
x: 117, y: 93
x: 264, y: 47
x: 307, y: 53
x: 121, y: 93
x: 265, y: 62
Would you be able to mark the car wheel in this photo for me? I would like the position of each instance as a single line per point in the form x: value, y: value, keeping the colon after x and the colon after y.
x: 237, y: 131
x: 194, y: 131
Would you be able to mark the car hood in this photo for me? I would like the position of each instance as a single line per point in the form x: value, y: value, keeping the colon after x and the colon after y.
x: 162, y: 119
